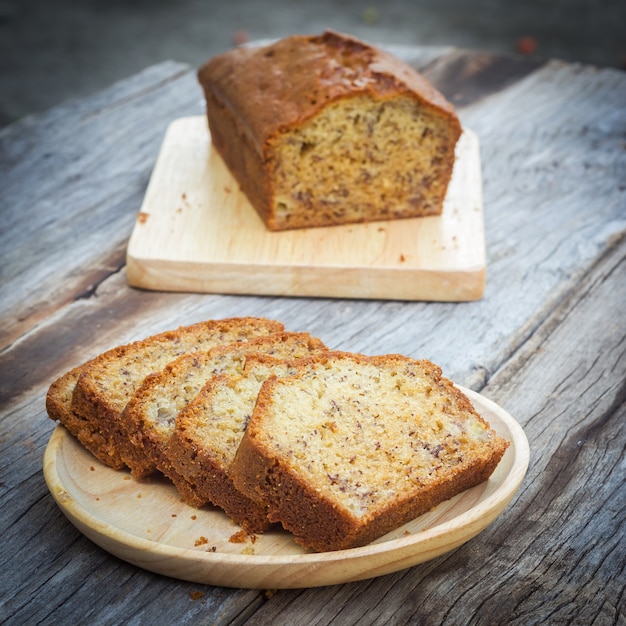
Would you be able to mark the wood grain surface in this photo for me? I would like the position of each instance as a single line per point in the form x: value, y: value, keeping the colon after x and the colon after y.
x: 546, y: 342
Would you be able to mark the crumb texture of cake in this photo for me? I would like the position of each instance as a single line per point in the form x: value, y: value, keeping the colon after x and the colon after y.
x: 149, y: 418
x: 354, y: 446
x: 90, y: 399
x: 208, y: 432
x: 326, y: 130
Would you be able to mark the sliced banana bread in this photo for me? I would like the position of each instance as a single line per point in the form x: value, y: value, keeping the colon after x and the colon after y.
x: 208, y: 432
x: 89, y: 399
x: 149, y: 419
x: 355, y: 446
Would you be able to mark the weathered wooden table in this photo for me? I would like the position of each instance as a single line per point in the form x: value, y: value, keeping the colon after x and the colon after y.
x: 547, y: 342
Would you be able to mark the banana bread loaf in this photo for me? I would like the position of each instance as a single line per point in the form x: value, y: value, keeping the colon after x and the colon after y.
x: 355, y: 446
x: 89, y: 399
x: 325, y: 130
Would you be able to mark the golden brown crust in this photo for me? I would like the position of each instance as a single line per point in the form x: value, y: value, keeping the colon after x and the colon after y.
x: 321, y: 519
x: 273, y: 88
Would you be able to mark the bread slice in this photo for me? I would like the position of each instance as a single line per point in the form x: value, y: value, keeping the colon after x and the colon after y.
x: 208, y: 432
x: 355, y: 446
x: 149, y: 419
x: 89, y: 399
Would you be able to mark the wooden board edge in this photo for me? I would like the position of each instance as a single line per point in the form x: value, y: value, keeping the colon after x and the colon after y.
x: 327, y: 282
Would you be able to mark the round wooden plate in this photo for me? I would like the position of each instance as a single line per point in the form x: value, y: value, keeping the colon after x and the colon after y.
x: 147, y: 524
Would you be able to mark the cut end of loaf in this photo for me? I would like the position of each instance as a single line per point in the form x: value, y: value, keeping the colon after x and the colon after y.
x: 361, y: 159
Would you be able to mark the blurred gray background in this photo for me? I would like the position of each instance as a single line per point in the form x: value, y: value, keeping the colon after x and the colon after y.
x: 54, y: 50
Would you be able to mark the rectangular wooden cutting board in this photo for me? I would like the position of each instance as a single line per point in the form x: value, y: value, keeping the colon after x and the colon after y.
x: 197, y: 232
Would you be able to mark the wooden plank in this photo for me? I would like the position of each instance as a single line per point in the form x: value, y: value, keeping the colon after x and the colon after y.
x: 72, y: 179
x: 543, y: 268
x: 553, y: 187
x: 196, y: 231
